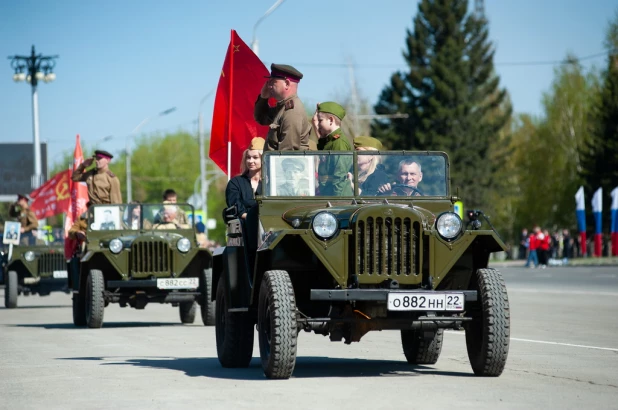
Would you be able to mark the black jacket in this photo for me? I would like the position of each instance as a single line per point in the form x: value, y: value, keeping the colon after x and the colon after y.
x: 374, y: 181
x: 240, y: 193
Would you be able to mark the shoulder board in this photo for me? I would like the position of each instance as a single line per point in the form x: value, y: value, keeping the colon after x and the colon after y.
x: 289, y: 105
x: 336, y: 136
x: 111, y: 174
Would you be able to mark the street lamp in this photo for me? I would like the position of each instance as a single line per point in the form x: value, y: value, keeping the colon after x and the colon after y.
x: 254, y: 42
x: 128, y: 147
x: 32, y: 69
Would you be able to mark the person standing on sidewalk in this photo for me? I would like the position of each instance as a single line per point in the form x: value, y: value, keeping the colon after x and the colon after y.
x: 532, y: 247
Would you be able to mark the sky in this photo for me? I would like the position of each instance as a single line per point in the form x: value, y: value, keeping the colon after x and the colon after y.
x: 122, y: 61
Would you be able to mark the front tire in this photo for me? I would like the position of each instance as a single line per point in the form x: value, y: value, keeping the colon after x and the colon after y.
x: 187, y: 312
x: 418, y: 349
x: 277, y: 325
x: 234, y: 332
x: 488, y: 334
x: 95, y: 302
x: 207, y: 305
x: 11, y: 290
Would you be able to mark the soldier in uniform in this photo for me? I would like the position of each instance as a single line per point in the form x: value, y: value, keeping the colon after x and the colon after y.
x: 289, y: 126
x: 26, y: 217
x: 332, y: 169
x: 103, y: 185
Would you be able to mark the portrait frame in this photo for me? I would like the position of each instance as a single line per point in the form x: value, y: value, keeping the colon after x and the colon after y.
x: 280, y: 179
x: 11, y: 227
x: 104, y: 216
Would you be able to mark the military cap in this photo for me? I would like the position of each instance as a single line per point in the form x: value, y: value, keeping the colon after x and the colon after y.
x: 257, y: 143
x: 365, y: 141
x: 285, y: 71
x: 22, y: 196
x: 293, y: 163
x: 103, y: 153
x: 330, y: 107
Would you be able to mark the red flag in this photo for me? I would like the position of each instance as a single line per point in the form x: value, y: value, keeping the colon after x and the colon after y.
x: 241, y: 81
x: 77, y: 203
x: 53, y: 197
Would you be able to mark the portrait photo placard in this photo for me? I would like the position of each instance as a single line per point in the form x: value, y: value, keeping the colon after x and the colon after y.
x: 12, y: 232
x: 292, y: 175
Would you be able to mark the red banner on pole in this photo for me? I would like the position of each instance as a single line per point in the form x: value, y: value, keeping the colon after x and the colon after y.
x: 241, y: 81
x: 77, y: 203
x: 53, y: 197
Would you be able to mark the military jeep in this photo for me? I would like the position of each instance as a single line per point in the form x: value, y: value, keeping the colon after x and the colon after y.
x: 393, y: 258
x: 133, y: 256
x: 36, y: 269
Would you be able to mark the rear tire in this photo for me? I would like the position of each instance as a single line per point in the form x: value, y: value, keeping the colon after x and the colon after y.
x: 277, y: 325
x: 419, y: 350
x: 95, y: 302
x: 234, y: 332
x: 488, y: 334
x: 79, y: 309
x: 187, y: 312
x: 11, y: 290
x: 207, y: 305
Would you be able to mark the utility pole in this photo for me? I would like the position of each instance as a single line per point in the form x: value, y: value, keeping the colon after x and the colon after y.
x: 354, y: 99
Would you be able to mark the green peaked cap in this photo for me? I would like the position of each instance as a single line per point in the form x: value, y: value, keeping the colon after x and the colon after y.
x: 331, y: 107
x: 366, y: 141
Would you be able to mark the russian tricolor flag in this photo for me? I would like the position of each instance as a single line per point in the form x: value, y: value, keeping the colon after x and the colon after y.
x: 597, y: 210
x: 580, y: 211
x: 614, y: 227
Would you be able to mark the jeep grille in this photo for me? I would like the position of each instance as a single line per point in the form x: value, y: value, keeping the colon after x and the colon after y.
x: 387, y: 246
x: 49, y: 262
x: 150, y: 257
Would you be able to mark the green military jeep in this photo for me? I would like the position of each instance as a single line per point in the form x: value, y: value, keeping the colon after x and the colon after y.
x: 137, y: 254
x: 392, y: 256
x: 36, y: 269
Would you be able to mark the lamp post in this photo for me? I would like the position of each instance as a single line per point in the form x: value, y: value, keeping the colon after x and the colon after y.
x: 32, y: 69
x: 203, y: 159
x: 254, y: 41
x: 128, y: 147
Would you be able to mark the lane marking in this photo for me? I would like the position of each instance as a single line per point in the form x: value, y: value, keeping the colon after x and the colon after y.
x: 561, y: 292
x: 611, y: 349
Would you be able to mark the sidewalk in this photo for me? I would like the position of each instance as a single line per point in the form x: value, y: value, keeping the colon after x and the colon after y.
x: 605, y: 261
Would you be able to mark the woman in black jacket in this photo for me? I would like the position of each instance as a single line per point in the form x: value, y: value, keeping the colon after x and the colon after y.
x: 242, y: 189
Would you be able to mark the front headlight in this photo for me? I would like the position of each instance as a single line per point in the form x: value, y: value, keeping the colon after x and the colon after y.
x: 183, y: 245
x: 29, y: 256
x: 324, y: 225
x: 115, y: 245
x: 448, y: 225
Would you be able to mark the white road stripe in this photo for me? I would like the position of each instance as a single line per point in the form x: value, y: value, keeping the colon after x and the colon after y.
x: 513, y: 289
x: 611, y: 349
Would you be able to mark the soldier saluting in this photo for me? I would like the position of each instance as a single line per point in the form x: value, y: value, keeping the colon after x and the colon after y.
x: 103, y: 185
x: 289, y: 126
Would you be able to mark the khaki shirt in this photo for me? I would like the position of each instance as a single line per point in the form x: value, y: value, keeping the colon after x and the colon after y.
x: 103, y: 186
x: 288, y: 122
x: 26, y: 217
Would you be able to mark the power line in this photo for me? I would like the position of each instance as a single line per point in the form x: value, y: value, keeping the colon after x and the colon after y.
x: 503, y: 64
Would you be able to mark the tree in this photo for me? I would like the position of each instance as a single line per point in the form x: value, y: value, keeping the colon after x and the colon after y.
x: 600, y: 153
x: 452, y: 96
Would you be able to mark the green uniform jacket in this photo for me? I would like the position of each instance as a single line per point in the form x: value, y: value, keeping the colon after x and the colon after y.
x: 288, y: 122
x: 333, y: 170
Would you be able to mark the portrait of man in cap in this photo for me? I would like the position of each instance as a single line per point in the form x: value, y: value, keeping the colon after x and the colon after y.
x: 295, y: 178
x: 103, y: 185
x: 289, y: 126
x: 11, y: 233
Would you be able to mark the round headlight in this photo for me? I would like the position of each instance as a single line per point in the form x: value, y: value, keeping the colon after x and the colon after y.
x: 115, y: 245
x: 183, y: 245
x: 448, y: 225
x: 324, y: 225
x: 29, y: 256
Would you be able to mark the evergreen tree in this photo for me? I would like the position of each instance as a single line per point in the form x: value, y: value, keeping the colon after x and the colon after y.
x: 600, y: 154
x: 451, y: 94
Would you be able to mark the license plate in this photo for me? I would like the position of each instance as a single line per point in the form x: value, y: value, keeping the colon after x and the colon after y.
x: 60, y: 274
x: 425, y: 301
x: 178, y: 283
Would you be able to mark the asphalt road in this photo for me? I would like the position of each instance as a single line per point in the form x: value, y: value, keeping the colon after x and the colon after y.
x: 564, y: 354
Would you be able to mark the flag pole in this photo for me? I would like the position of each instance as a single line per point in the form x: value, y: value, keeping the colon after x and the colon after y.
x: 230, y: 105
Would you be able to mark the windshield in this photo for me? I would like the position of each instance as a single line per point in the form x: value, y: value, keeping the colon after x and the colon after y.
x: 359, y: 173
x: 140, y: 217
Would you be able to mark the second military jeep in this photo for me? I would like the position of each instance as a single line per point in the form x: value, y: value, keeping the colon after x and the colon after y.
x: 133, y: 256
x: 36, y: 269
x: 394, y: 258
